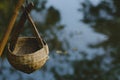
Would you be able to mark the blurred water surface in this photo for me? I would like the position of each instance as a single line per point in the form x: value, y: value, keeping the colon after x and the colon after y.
x: 83, y: 37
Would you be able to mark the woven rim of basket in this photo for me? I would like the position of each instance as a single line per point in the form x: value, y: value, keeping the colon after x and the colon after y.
x: 45, y: 47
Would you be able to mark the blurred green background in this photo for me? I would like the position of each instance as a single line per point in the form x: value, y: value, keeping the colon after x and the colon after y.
x: 83, y: 37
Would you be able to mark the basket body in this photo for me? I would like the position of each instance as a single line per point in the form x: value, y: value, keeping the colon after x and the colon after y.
x: 28, y: 56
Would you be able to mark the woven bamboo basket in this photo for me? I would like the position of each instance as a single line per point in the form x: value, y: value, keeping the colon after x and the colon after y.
x: 28, y: 56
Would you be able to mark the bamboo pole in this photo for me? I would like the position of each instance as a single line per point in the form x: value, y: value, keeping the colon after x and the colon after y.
x: 10, y: 26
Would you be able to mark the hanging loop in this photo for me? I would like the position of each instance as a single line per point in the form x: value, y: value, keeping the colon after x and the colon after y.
x: 39, y: 38
x: 19, y: 27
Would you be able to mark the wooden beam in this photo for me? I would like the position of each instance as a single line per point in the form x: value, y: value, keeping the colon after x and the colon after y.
x: 10, y: 26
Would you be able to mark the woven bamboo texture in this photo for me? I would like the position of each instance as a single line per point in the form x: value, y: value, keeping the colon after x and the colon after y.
x: 27, y: 55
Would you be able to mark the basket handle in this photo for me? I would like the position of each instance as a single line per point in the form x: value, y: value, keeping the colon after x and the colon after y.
x: 17, y: 29
x: 39, y: 38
